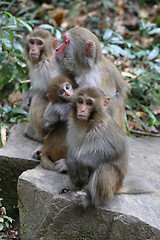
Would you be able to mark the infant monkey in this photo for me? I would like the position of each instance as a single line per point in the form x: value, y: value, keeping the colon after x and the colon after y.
x: 60, y: 92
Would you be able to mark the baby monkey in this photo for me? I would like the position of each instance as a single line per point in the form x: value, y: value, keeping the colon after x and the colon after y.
x: 60, y: 92
x: 97, y: 153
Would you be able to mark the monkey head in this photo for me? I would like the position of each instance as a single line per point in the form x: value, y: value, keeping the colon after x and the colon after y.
x: 89, y: 102
x: 60, y: 88
x: 79, y: 50
x: 40, y: 45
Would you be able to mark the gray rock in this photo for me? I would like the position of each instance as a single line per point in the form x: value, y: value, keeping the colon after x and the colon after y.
x: 46, y: 213
x: 15, y: 157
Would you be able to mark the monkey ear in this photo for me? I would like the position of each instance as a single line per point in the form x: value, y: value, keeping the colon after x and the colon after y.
x: 106, y: 102
x: 89, y: 48
x: 50, y: 98
x: 55, y: 42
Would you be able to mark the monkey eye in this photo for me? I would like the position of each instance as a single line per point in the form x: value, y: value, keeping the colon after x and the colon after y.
x: 31, y: 41
x: 40, y: 43
x: 67, y: 86
x: 89, y: 103
x: 80, y: 101
x: 61, y: 92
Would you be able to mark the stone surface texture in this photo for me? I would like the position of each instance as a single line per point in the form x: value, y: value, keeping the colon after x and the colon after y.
x: 47, y: 214
x: 15, y: 157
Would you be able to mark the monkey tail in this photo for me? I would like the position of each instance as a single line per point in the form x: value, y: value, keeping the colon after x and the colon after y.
x: 104, y: 183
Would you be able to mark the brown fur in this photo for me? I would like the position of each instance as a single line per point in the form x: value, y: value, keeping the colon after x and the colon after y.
x: 41, y: 72
x: 84, y: 60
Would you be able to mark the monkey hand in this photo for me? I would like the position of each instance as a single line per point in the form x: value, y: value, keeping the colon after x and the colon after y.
x: 47, y: 125
x: 62, y: 110
x: 26, y: 104
x: 60, y: 166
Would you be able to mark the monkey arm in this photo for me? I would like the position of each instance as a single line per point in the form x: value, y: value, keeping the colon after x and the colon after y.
x: 63, y: 110
x: 55, y: 112
x: 50, y: 117
x: 91, y: 161
x: 26, y: 101
x: 72, y: 169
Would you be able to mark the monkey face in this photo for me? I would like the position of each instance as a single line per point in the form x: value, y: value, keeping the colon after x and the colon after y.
x: 36, y: 45
x: 85, y: 107
x: 66, y: 91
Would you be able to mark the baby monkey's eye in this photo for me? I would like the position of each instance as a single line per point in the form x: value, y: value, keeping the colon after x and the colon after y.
x: 67, y: 86
x: 61, y: 92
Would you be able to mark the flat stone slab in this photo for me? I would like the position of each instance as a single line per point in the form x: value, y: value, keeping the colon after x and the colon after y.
x: 15, y: 157
x: 46, y: 213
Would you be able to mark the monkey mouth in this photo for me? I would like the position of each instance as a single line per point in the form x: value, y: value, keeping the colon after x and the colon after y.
x: 34, y: 56
x: 82, y: 117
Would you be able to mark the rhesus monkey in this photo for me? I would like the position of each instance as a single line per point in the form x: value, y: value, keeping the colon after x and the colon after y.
x: 60, y: 92
x: 80, y: 56
x: 97, y: 153
x: 42, y: 68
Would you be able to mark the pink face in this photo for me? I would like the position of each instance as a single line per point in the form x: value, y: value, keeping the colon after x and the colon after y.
x: 59, y: 54
x: 85, y: 105
x: 66, y: 91
x: 35, y: 46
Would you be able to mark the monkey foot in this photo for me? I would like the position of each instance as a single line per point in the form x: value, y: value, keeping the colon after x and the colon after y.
x: 37, y: 153
x: 81, y: 198
x: 60, y: 166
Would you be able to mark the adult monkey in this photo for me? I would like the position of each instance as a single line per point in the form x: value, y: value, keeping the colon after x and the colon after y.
x: 42, y: 68
x: 80, y: 56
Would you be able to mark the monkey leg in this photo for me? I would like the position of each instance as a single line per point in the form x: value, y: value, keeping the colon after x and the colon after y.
x: 37, y: 108
x: 30, y: 133
x: 58, y: 166
x: 47, y: 163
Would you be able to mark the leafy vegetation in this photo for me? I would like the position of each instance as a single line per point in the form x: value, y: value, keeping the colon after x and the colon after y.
x: 144, y: 77
x: 136, y: 51
x: 5, y: 221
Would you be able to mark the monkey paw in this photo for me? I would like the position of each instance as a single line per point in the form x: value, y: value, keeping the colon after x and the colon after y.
x: 60, y: 166
x: 81, y: 198
x: 37, y: 153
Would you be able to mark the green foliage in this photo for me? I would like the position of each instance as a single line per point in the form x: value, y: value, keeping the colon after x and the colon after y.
x: 145, y: 86
x: 5, y: 221
x: 13, y: 65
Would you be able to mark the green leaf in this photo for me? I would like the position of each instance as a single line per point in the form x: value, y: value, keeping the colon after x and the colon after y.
x: 25, y: 24
x: 116, y: 50
x: 126, y: 125
x: 9, y: 219
x: 107, y: 35
x: 141, y: 122
x: 1, y: 220
x: 154, y: 31
x: 154, y: 53
x: 1, y: 227
x: 18, y: 111
x: 7, y: 224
